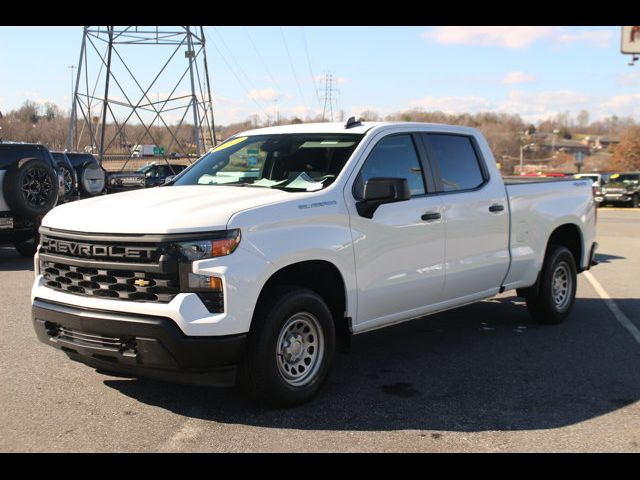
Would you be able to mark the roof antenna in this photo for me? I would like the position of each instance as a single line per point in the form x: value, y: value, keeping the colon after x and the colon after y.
x: 352, y: 122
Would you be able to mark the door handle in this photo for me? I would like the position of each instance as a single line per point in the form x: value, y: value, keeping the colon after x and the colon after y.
x: 496, y: 208
x: 430, y: 216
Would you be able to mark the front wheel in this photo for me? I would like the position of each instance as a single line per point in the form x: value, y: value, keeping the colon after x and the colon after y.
x: 27, y: 248
x: 553, y: 300
x: 290, y: 348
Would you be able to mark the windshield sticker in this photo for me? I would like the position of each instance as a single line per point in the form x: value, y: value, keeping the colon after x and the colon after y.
x: 228, y: 144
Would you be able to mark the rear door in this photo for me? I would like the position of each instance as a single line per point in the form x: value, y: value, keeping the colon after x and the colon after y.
x: 475, y: 214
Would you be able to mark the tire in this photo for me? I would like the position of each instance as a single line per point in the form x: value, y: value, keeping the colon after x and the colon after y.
x: 634, y: 202
x: 31, y: 187
x: 27, y: 248
x: 69, y: 180
x: 92, y: 180
x: 553, y: 300
x: 290, y: 348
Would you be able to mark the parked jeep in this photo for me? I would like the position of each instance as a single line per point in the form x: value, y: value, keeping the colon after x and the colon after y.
x: 69, y: 176
x: 29, y: 188
x: 623, y: 189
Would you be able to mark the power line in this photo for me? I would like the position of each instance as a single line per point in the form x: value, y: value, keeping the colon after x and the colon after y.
x: 313, y: 78
x: 240, y: 69
x: 239, y: 81
x: 264, y: 64
x: 284, y: 40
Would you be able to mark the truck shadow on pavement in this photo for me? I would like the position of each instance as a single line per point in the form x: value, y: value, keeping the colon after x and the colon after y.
x: 482, y: 367
x: 12, y: 261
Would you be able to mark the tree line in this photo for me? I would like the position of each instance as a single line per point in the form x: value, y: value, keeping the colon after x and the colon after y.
x: 506, y: 133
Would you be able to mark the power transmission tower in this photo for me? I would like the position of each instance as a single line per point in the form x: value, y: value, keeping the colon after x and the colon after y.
x: 118, y: 69
x: 329, y: 98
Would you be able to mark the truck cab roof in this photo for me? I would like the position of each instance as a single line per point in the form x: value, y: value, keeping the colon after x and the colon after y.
x: 357, y: 128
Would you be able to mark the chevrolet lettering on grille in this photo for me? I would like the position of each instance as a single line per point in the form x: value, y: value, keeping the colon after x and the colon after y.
x: 78, y: 249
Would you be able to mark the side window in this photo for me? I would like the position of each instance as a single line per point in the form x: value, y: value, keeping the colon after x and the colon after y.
x: 393, y: 156
x: 456, y: 159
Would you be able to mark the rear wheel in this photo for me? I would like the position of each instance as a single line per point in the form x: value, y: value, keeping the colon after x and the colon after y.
x: 553, y: 300
x: 290, y: 348
x: 31, y: 187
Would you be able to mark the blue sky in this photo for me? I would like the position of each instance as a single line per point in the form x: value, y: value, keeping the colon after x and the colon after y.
x: 531, y: 71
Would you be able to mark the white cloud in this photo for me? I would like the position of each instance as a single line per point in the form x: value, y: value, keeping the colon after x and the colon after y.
x: 514, y: 78
x: 598, y: 38
x: 631, y: 79
x: 514, y: 36
x: 622, y: 105
x: 453, y: 104
x: 508, y: 37
x: 535, y: 106
x: 544, y: 103
x: 265, y: 94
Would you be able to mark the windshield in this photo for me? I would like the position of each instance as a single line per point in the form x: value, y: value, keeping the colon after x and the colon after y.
x: 632, y: 179
x: 292, y: 162
x: 144, y: 169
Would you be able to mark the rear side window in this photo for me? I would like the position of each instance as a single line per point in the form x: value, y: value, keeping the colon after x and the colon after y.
x: 457, y: 161
x: 394, y: 156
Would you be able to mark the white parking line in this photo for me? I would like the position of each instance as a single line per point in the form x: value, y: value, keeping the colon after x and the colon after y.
x: 621, y: 317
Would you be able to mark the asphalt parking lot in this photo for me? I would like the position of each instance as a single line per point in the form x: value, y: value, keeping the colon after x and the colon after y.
x: 482, y: 378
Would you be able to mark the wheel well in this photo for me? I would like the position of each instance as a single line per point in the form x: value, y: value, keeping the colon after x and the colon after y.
x: 569, y: 236
x: 320, y: 276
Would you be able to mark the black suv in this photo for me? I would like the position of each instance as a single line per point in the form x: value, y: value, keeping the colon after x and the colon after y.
x: 29, y: 188
x: 623, y: 189
x: 91, y: 176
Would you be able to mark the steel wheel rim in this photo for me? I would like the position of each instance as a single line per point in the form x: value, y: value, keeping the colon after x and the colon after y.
x: 562, y: 285
x: 300, y: 349
x: 36, y: 186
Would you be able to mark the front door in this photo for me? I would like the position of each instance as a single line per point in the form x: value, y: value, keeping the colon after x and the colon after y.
x: 399, y: 252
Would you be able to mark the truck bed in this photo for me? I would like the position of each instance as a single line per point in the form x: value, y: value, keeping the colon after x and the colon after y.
x: 537, y: 207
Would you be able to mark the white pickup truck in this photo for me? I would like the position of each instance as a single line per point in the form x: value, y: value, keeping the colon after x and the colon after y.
x: 259, y: 260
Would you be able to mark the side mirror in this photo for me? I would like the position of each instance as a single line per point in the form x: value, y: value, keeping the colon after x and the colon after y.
x: 378, y: 191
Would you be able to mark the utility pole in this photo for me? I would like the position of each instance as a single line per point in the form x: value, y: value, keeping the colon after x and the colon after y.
x: 328, y: 96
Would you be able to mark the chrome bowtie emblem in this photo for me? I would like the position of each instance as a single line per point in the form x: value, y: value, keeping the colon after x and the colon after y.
x: 141, y: 282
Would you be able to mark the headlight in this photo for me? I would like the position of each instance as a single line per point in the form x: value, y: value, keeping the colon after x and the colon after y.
x: 215, y: 247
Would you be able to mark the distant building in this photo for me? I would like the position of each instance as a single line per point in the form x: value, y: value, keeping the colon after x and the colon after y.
x: 566, y: 146
x: 604, y: 142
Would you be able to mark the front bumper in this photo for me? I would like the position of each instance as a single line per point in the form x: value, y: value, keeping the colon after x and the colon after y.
x: 614, y: 198
x: 138, y: 345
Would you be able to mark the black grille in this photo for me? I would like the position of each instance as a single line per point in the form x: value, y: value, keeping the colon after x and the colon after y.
x: 125, y: 344
x: 106, y: 283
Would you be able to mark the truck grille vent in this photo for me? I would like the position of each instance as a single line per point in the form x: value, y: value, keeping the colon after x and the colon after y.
x: 116, y: 284
x: 125, y: 344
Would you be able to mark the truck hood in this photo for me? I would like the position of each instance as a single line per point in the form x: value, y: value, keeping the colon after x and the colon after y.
x: 176, y: 209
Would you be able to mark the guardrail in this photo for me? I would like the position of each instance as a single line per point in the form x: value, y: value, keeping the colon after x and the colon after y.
x: 116, y: 163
